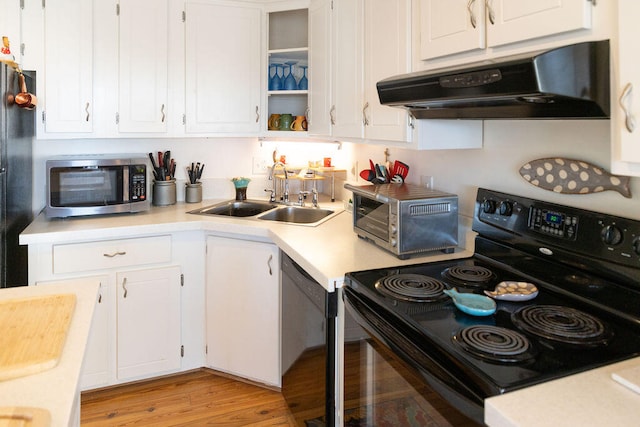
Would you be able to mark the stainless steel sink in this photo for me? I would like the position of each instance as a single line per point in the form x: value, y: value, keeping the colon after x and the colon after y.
x: 297, y: 215
x: 235, y: 208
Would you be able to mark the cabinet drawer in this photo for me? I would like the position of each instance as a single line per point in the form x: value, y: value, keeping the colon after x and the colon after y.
x: 107, y: 254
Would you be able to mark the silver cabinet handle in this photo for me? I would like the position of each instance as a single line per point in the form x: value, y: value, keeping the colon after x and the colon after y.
x: 124, y: 287
x: 86, y: 109
x: 472, y: 16
x: 269, y: 265
x: 162, y: 112
x: 115, y: 254
x: 257, y: 114
x: 490, y: 13
x: 332, y: 114
x: 630, y: 121
x: 365, y: 120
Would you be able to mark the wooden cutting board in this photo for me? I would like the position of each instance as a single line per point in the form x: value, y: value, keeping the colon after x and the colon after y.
x: 32, y: 333
x: 25, y: 416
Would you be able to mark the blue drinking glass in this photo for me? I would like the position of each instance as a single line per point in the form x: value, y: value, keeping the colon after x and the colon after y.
x: 290, y: 81
x: 275, y: 81
x: 303, y: 84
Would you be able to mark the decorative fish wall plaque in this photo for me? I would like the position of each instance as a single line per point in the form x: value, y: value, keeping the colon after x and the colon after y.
x: 572, y: 177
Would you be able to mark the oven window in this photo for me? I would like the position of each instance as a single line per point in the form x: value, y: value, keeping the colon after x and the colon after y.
x: 86, y: 186
x: 372, y: 216
x: 380, y: 389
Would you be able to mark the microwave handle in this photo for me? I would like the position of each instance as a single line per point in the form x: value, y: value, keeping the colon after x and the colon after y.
x: 369, y: 194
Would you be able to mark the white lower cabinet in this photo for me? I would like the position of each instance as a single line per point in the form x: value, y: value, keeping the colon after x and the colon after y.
x: 243, y: 308
x: 148, y: 335
x: 136, y: 329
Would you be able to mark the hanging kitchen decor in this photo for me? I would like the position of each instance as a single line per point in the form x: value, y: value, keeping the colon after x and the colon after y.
x: 571, y: 176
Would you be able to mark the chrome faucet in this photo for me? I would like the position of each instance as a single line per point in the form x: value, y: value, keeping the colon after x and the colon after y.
x: 314, y: 197
x: 285, y: 195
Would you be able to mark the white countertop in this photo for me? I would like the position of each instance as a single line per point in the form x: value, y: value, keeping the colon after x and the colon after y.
x: 590, y: 398
x: 56, y: 389
x: 326, y: 251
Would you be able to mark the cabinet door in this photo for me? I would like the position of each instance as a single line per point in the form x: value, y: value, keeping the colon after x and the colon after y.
x: 68, y: 100
x: 348, y: 70
x: 510, y: 21
x: 223, y: 67
x: 319, y: 117
x: 451, y: 26
x: 243, y: 308
x: 387, y: 53
x: 143, y: 52
x: 625, y: 118
x: 148, y: 317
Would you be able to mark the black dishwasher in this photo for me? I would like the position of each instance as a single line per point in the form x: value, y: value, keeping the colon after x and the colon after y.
x: 308, y: 346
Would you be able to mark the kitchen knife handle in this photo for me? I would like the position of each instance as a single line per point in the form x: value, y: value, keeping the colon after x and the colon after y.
x: 114, y: 254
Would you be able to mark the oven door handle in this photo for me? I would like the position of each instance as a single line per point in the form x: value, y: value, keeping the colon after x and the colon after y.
x: 369, y: 194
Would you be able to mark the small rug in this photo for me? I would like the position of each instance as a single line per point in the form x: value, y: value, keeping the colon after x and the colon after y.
x: 392, y: 413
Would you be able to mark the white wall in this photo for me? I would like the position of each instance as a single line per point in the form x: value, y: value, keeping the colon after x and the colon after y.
x: 507, y: 146
x: 224, y: 158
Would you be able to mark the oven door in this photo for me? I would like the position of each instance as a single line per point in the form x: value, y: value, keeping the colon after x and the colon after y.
x: 371, y: 217
x: 380, y: 388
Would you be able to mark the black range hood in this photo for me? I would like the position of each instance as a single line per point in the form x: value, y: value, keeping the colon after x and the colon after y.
x: 569, y: 82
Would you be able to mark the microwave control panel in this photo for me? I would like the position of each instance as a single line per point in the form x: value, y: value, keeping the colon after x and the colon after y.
x: 138, y: 183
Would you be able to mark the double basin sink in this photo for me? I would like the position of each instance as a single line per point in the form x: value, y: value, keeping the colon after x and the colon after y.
x: 267, y: 211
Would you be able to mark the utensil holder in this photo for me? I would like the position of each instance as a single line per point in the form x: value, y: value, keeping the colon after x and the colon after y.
x: 193, y: 193
x: 164, y: 193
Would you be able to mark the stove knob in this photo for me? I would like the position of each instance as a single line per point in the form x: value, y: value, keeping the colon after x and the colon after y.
x: 488, y: 206
x: 636, y: 245
x: 505, y: 208
x: 611, y: 235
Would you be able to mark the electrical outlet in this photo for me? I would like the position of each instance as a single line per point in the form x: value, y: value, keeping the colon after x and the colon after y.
x: 260, y: 166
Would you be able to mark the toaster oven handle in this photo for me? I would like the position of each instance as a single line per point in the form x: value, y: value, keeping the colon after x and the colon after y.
x: 369, y: 194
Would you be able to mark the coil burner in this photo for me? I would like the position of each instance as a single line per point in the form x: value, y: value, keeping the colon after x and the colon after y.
x: 494, y: 343
x: 468, y: 275
x: 562, y: 324
x: 412, y: 287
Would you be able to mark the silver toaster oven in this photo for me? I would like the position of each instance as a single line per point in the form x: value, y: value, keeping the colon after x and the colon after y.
x: 405, y: 219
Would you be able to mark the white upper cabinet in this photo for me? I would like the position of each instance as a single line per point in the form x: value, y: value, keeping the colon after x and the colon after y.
x: 625, y: 115
x: 348, y: 69
x: 387, y: 52
x: 454, y: 26
x: 68, y: 66
x: 319, y: 119
x: 223, y: 67
x: 143, y: 66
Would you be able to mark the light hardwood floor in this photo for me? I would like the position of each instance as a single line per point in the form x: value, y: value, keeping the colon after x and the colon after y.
x: 196, y: 398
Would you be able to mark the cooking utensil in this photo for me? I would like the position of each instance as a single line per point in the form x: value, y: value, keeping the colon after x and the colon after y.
x: 473, y: 304
x: 367, y: 174
x: 401, y: 169
x: 25, y: 99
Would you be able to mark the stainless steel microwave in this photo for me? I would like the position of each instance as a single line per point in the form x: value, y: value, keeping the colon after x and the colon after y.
x: 405, y: 219
x: 95, y: 185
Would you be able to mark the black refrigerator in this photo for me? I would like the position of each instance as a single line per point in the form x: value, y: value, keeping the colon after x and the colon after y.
x: 17, y: 126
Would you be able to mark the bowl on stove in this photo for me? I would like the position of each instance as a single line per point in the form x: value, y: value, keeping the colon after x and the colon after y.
x: 473, y: 304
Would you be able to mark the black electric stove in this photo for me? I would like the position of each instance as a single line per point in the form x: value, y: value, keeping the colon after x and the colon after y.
x: 584, y: 265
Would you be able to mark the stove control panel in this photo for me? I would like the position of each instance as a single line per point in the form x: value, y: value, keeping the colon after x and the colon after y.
x: 553, y: 223
x: 543, y: 226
